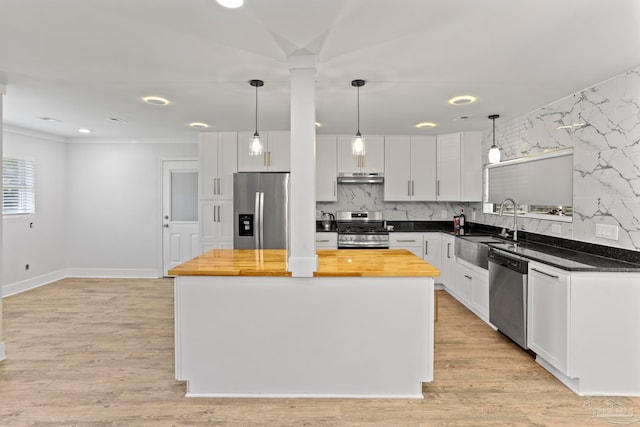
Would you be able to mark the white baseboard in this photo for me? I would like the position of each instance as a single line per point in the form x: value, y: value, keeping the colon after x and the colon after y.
x: 34, y: 282
x: 124, y: 273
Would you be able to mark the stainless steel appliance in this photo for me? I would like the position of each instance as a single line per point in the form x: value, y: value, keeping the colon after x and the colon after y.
x: 508, y: 295
x: 260, y: 210
x: 361, y: 230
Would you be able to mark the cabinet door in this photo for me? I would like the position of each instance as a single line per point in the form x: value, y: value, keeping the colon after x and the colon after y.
x: 279, y: 152
x: 448, y: 167
x: 448, y: 262
x: 227, y: 163
x: 216, y: 221
x: 397, y: 168
x: 247, y: 163
x: 208, y: 150
x: 471, y: 167
x: 326, y: 169
x: 374, y: 160
x: 548, y: 314
x: 464, y: 279
x: 479, y: 293
x: 225, y: 220
x: 423, y: 168
x: 432, y: 252
x: 347, y: 162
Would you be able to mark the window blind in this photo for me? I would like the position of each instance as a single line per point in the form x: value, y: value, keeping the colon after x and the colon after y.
x: 17, y: 186
x: 545, y: 179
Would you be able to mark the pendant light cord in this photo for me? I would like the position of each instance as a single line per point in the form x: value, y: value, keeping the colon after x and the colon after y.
x: 257, y: 109
x: 358, y: 97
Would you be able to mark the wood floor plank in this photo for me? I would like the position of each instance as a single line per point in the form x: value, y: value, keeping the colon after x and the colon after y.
x: 99, y: 352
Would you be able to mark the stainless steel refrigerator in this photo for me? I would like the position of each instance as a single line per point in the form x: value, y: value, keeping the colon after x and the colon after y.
x: 260, y: 210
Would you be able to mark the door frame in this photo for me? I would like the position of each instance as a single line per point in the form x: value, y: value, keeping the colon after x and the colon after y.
x: 160, y: 207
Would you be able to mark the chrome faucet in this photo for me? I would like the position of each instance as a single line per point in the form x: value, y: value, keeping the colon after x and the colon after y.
x: 515, y: 217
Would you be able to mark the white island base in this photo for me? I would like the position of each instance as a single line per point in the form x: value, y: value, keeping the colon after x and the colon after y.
x: 354, y: 337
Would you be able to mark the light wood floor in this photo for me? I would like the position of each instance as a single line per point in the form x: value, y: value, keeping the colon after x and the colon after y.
x: 93, y: 352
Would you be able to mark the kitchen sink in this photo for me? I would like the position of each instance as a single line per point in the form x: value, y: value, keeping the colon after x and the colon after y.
x: 475, y: 249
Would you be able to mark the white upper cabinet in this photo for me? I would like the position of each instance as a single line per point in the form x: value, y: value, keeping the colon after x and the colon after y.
x: 410, y: 168
x: 448, y: 167
x: 218, y: 163
x: 326, y: 168
x: 275, y: 156
x: 471, y: 167
x: 459, y: 167
x: 373, y: 161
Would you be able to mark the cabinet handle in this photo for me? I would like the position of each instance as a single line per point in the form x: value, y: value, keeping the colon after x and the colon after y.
x: 269, y: 159
x: 448, y: 247
x: 264, y: 159
x: 413, y: 193
x: 426, y: 247
x: 215, y: 218
x: 219, y: 213
x: 468, y: 277
x: 219, y: 185
x: 363, y: 162
x: 437, y: 187
x: 406, y: 240
x: 322, y: 240
x: 545, y: 273
x: 335, y: 188
x: 408, y: 188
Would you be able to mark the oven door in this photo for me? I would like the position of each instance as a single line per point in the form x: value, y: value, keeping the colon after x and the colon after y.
x: 363, y: 241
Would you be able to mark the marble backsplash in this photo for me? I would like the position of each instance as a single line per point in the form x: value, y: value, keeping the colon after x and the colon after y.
x: 601, y: 123
x: 370, y: 197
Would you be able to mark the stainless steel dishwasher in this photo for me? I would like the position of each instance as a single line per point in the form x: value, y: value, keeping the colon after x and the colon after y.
x: 508, y: 295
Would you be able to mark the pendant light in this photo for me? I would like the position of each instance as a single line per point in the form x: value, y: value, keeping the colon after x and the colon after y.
x: 357, y: 144
x: 494, y: 151
x: 255, y: 146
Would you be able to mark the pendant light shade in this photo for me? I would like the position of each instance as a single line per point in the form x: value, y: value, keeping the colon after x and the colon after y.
x: 358, y: 147
x: 494, y: 151
x: 256, y: 146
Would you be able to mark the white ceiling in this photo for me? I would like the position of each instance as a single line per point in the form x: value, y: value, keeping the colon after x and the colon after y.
x: 82, y: 61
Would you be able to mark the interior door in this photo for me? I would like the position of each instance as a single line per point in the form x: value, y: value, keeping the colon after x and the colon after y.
x: 180, y: 241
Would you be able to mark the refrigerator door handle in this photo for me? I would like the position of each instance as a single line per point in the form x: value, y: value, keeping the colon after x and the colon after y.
x: 256, y: 220
x: 261, y: 221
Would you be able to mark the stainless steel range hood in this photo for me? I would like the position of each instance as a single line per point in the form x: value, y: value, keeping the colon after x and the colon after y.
x: 360, y: 178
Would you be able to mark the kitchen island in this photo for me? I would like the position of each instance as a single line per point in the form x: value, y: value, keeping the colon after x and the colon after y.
x: 362, y: 327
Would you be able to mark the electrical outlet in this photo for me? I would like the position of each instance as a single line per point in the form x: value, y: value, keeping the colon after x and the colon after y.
x: 556, y: 228
x: 443, y: 214
x: 607, y: 231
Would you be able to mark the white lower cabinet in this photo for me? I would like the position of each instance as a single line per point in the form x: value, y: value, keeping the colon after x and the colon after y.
x: 409, y: 241
x: 326, y: 240
x: 216, y: 224
x: 472, y: 288
x: 432, y: 252
x: 448, y: 264
x: 548, y: 314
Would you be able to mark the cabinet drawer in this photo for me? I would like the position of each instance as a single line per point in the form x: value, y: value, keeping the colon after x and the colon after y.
x: 327, y: 240
x: 405, y: 239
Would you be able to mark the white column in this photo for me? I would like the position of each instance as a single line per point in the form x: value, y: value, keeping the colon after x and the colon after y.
x: 303, y: 261
x: 2, y: 92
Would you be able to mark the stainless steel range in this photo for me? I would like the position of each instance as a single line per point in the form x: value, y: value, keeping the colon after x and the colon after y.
x: 361, y: 230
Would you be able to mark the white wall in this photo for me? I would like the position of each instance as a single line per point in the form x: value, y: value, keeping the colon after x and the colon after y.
x: 97, y: 209
x: 40, y: 246
x: 113, y: 208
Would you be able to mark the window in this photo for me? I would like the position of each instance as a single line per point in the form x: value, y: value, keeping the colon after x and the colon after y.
x: 541, y: 184
x: 17, y: 186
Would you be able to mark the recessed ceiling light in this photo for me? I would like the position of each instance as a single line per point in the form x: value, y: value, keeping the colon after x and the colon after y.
x: 462, y: 118
x: 83, y: 130
x: 116, y: 120
x: 462, y: 100
x: 198, y: 125
x: 231, y: 4
x: 426, y: 125
x: 50, y: 119
x: 155, y: 100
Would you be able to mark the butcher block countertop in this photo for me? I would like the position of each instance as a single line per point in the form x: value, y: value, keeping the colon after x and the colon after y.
x: 331, y: 263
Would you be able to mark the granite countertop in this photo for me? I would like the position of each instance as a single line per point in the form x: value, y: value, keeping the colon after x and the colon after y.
x: 331, y: 263
x: 565, y: 259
